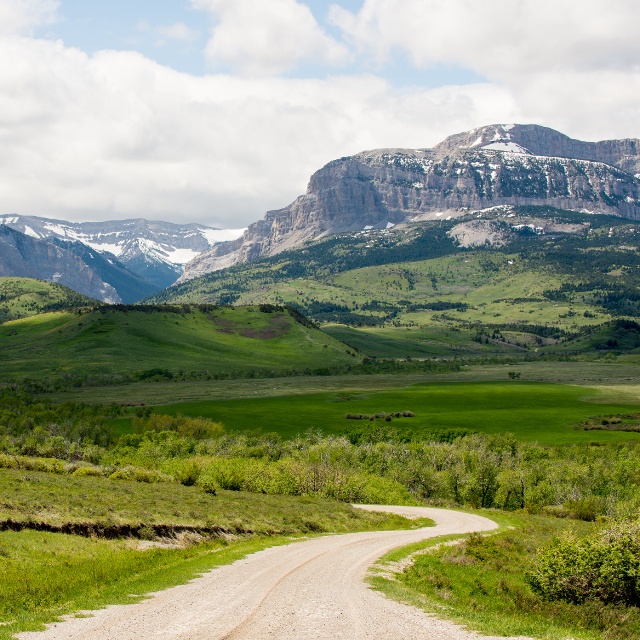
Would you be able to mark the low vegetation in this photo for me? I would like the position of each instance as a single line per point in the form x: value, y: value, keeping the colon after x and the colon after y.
x: 413, y: 292
x: 485, y: 581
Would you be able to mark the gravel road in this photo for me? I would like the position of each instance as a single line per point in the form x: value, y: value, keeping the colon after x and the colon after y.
x: 310, y: 589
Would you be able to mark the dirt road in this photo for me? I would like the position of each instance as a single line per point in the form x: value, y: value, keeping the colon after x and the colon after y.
x: 310, y: 589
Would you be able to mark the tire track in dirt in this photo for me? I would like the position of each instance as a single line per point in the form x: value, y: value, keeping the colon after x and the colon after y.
x: 309, y: 589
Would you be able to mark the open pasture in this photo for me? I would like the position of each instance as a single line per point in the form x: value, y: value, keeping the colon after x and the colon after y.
x: 114, y: 341
x: 538, y: 412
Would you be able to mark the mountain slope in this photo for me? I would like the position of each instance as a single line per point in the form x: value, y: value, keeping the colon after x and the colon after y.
x: 24, y: 297
x: 130, y: 287
x: 161, y: 341
x: 24, y: 256
x: 511, y: 279
x: 487, y: 167
x: 156, y: 251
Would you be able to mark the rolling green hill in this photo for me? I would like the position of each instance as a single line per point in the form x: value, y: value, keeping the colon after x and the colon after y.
x: 161, y: 342
x: 548, y: 278
x: 24, y: 297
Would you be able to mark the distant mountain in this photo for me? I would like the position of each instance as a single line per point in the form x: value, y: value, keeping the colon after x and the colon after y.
x: 24, y: 297
x: 153, y: 250
x: 487, y: 167
x: 130, y: 286
x: 25, y: 256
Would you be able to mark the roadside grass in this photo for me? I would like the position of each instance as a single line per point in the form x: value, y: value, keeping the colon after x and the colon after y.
x: 33, y: 497
x: 538, y: 412
x: 112, y: 341
x: 479, y: 582
x: 47, y: 575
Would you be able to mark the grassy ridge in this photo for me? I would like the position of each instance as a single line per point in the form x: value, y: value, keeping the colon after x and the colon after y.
x: 536, y: 290
x: 531, y: 411
x: 113, y: 341
x: 56, y: 500
x: 25, y: 297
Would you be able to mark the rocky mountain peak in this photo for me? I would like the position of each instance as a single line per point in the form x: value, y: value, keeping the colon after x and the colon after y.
x: 495, y: 165
x: 536, y: 140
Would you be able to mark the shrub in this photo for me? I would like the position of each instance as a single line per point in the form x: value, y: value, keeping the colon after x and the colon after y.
x: 140, y: 475
x: 186, y: 472
x: 88, y: 471
x: 604, y: 566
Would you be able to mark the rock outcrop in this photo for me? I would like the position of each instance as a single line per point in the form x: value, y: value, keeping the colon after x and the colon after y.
x: 486, y: 167
x: 22, y: 255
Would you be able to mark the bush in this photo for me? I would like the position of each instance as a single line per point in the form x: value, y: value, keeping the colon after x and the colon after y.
x: 88, y: 471
x: 605, y: 567
x: 140, y: 475
x: 186, y: 472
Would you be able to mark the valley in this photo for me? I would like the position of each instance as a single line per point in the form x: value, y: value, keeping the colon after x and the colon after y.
x: 453, y: 329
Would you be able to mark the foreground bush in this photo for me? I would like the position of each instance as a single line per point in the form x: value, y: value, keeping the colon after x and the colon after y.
x: 604, y: 566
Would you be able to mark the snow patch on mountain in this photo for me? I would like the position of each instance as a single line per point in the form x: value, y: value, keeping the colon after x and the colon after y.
x: 511, y: 147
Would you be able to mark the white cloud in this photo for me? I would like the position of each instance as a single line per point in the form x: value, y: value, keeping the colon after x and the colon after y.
x: 573, y: 66
x: 20, y: 17
x: 116, y: 135
x: 498, y: 38
x: 267, y: 38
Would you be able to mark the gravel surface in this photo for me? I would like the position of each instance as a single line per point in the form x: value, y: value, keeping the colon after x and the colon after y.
x: 310, y: 589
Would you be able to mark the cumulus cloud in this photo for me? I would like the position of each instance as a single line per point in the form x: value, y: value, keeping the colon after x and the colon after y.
x: 569, y: 65
x: 21, y: 17
x: 116, y: 135
x: 498, y: 38
x: 267, y: 38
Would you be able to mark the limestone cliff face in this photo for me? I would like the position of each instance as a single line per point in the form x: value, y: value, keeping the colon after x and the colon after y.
x: 22, y: 255
x: 490, y: 166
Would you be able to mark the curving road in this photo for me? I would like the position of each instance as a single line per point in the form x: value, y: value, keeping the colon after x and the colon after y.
x: 310, y: 589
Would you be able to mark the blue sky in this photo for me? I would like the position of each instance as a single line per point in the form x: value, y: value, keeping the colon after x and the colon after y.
x: 125, y: 25
x: 215, y: 111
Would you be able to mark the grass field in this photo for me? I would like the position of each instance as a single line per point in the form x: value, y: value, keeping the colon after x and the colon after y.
x: 618, y: 379
x: 424, y: 341
x: 537, y: 412
x: 112, y: 341
x: 30, y: 496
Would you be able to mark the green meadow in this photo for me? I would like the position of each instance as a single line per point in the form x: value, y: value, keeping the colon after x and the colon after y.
x: 112, y: 341
x: 544, y: 413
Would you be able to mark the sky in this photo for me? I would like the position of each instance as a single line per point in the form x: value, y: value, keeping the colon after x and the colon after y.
x: 216, y: 111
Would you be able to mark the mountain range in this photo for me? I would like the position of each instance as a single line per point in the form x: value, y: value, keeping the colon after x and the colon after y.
x: 483, y: 168
x: 113, y: 261
x: 480, y: 170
